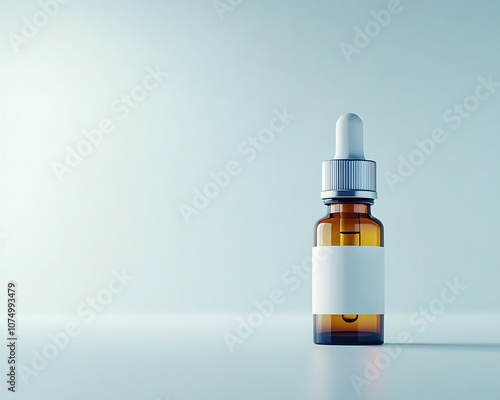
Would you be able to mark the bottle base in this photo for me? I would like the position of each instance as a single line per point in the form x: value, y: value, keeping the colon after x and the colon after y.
x: 348, y: 330
x: 348, y: 338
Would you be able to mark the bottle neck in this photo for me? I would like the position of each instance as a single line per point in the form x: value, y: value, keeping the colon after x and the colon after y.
x: 358, y: 208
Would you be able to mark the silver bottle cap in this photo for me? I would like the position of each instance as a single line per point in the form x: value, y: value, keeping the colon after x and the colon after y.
x: 349, y: 175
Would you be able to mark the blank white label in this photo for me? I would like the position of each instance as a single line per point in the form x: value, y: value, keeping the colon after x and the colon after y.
x: 348, y: 280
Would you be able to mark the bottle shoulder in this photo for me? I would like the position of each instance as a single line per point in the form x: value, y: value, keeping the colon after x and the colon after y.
x: 366, y: 219
x: 341, y: 229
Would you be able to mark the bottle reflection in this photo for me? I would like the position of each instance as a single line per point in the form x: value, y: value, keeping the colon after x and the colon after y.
x: 347, y: 372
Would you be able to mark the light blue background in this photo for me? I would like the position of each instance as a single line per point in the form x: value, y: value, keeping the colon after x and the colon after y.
x: 120, y: 207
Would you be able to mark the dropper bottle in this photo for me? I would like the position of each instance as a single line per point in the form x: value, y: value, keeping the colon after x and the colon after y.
x: 348, y: 252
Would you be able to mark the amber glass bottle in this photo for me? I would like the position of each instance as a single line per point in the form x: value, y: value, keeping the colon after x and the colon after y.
x: 349, y: 223
x: 348, y: 253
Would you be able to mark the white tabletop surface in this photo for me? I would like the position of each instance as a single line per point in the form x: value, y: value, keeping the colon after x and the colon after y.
x: 176, y: 358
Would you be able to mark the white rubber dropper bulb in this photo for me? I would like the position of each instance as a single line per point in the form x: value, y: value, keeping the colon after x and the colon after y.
x: 349, y: 138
